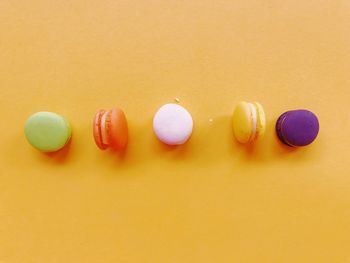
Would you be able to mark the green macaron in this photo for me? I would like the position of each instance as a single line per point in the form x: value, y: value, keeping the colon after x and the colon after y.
x: 47, y: 131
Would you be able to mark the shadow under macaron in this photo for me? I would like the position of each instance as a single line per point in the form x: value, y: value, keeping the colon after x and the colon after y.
x: 62, y: 155
x: 178, y: 152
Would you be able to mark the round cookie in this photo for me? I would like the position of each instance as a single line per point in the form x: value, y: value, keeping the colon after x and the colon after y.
x: 248, y: 121
x: 173, y: 124
x: 110, y: 129
x: 297, y: 127
x: 47, y: 131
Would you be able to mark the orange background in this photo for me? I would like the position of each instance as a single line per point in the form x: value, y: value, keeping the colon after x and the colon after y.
x: 211, y: 200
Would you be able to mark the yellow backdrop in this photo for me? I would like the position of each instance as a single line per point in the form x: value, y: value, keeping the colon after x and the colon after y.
x: 211, y: 200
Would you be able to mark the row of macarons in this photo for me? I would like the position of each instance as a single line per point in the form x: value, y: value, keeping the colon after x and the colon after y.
x: 173, y: 125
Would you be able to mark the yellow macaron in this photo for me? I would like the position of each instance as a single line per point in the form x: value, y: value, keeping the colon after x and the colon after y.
x: 248, y: 121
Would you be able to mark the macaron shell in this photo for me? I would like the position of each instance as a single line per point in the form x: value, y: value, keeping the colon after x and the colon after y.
x: 117, y: 128
x: 97, y: 130
x: 69, y: 130
x: 242, y: 122
x: 261, y: 120
x: 172, y: 124
x: 297, y: 127
x: 47, y: 131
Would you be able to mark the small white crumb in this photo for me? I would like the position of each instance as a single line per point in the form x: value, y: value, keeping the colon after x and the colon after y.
x: 177, y: 100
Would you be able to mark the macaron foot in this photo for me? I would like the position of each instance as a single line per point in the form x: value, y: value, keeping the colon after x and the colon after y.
x: 278, y: 129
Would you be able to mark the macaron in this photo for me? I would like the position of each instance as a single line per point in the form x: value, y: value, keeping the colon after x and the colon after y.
x: 47, y: 131
x: 110, y: 129
x: 248, y: 121
x: 172, y: 124
x: 297, y: 127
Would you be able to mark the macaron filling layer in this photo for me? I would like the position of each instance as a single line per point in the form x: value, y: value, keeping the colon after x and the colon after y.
x: 104, y: 137
x: 254, y: 121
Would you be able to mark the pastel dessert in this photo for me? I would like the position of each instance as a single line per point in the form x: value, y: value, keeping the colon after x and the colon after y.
x: 248, y: 121
x: 297, y: 127
x: 47, y: 131
x: 110, y: 129
x: 172, y: 124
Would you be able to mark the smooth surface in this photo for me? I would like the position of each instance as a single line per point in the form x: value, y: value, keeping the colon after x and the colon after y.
x: 243, y: 122
x: 117, y: 129
x: 172, y: 124
x: 297, y: 127
x: 47, y: 131
x: 210, y: 200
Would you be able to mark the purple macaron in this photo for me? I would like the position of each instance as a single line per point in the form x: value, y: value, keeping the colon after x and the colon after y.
x: 297, y: 127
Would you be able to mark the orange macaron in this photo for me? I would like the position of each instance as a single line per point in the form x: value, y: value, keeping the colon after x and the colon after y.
x: 110, y: 129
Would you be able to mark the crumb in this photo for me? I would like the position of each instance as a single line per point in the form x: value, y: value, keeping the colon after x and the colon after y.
x: 177, y: 100
x: 211, y: 120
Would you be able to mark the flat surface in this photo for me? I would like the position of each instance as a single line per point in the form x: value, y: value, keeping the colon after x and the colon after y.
x: 209, y: 201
